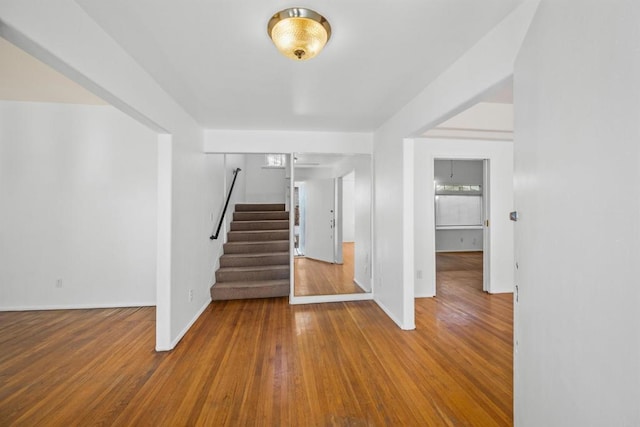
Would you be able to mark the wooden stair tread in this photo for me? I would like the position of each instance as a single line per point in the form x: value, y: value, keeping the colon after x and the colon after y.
x: 253, y: 242
x: 241, y: 217
x: 258, y: 231
x: 265, y: 221
x: 256, y: 268
x: 260, y: 212
x: 259, y: 207
x: 255, y: 262
x: 254, y: 254
x: 251, y: 283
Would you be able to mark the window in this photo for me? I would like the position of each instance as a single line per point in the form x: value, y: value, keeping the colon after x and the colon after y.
x: 458, y: 206
x: 458, y: 189
x: 275, y: 160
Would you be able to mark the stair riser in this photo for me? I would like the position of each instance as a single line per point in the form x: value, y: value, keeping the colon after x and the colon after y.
x: 247, y: 236
x: 259, y: 225
x: 269, y: 269
x: 248, y: 207
x: 269, y: 247
x: 239, y: 276
x: 265, y: 291
x: 260, y: 216
x: 254, y: 261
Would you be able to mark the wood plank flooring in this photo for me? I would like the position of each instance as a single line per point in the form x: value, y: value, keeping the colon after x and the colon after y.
x: 459, y: 268
x: 321, y: 278
x: 264, y: 363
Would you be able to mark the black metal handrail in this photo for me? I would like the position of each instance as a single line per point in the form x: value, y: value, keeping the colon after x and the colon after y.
x: 226, y: 204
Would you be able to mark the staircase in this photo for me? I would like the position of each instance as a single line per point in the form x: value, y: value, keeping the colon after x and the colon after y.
x: 255, y: 263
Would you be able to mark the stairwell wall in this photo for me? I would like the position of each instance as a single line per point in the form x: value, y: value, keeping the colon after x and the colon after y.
x: 263, y: 184
x: 231, y: 163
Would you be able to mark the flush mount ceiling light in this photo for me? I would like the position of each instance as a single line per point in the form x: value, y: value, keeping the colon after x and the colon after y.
x: 299, y: 33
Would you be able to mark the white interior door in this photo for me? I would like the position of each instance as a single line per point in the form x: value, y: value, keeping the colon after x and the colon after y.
x: 320, y: 219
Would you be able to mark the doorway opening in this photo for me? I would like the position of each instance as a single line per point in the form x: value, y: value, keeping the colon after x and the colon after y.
x: 461, y: 205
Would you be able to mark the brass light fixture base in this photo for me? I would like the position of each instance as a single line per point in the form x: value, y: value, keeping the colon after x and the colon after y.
x: 299, y: 33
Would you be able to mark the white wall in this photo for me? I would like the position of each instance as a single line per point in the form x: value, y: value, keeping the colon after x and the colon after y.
x: 484, y: 120
x: 484, y: 66
x: 348, y: 213
x: 457, y: 240
x: 577, y: 150
x: 77, y: 204
x: 464, y: 172
x: 268, y: 141
x: 187, y: 188
x: 304, y: 174
x: 363, y: 218
x: 231, y: 163
x: 500, y: 155
x: 263, y: 185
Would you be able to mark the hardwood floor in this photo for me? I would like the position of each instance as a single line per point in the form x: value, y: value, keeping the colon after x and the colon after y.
x: 321, y: 278
x: 264, y: 363
x: 461, y: 268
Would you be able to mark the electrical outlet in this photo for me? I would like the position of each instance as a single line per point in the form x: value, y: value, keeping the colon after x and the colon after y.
x: 59, y: 283
x: 190, y: 295
x: 419, y: 274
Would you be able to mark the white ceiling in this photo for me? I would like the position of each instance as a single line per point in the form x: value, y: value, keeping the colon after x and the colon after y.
x: 215, y: 58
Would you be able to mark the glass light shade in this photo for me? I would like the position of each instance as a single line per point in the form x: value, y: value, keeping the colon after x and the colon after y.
x: 298, y: 33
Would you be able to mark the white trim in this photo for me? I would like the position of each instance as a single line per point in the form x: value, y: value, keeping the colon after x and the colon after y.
x: 424, y: 296
x: 459, y: 227
x: 500, y: 292
x: 279, y: 141
x: 292, y: 226
x: 76, y: 306
x: 483, y: 155
x: 164, y: 241
x: 182, y: 333
x: 409, y: 327
x: 316, y: 299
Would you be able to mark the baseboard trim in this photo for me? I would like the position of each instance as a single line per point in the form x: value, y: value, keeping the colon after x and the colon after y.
x: 360, y: 286
x: 75, y: 306
x: 500, y: 291
x: 392, y: 317
x: 317, y: 299
x: 424, y: 296
x: 182, y: 333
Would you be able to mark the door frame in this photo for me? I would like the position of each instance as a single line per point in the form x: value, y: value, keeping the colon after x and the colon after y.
x: 486, y: 203
x: 420, y: 244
